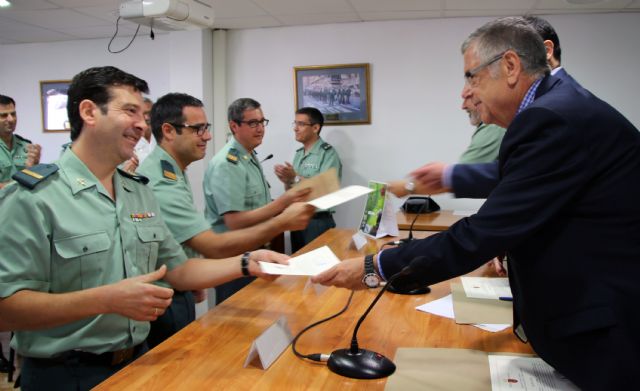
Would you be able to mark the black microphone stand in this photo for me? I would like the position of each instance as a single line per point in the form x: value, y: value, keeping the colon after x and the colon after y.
x: 359, y: 363
x: 417, y: 291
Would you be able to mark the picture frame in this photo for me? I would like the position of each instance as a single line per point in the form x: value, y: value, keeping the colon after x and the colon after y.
x: 53, y: 103
x: 341, y: 92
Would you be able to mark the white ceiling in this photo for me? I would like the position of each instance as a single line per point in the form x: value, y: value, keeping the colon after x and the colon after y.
x: 62, y: 20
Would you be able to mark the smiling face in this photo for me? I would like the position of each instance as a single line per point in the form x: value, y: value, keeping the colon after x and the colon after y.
x: 8, y: 120
x: 490, y: 95
x: 248, y: 136
x: 114, y: 129
x: 188, y: 147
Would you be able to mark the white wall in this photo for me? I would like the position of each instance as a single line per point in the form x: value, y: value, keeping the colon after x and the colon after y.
x: 416, y: 78
x: 23, y: 66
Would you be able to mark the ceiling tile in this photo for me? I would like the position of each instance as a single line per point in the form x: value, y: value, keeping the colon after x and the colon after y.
x: 237, y: 9
x: 106, y: 12
x: 246, y: 23
x: 378, y: 6
x: 86, y: 3
x: 490, y: 4
x: 400, y: 15
x: 296, y: 20
x: 54, y: 18
x: 28, y: 5
x: 563, y: 4
x: 289, y: 7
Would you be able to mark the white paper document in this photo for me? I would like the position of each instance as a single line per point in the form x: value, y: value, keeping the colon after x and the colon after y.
x: 308, y: 264
x: 339, y: 197
x: 525, y: 373
x: 486, y: 287
x: 444, y: 307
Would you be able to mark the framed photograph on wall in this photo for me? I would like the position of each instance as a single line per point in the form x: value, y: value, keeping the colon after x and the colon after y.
x: 53, y: 98
x: 340, y: 92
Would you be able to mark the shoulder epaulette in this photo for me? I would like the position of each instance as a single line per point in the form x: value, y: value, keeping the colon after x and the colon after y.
x: 32, y: 176
x: 168, y: 171
x: 232, y: 156
x: 23, y: 139
x: 138, y: 178
x: 326, y: 146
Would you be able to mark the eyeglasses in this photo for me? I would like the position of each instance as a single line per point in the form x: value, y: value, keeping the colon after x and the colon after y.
x: 254, y: 122
x: 470, y: 75
x: 301, y: 124
x: 198, y: 129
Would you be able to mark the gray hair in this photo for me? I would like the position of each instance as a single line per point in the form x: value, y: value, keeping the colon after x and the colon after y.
x: 236, y: 110
x: 510, y: 33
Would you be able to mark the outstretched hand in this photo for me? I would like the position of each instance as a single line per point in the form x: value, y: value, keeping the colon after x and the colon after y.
x: 265, y: 256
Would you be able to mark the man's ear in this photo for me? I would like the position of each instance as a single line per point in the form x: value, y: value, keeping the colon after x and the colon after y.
x: 549, y: 46
x: 88, y: 111
x: 233, y: 125
x: 169, y: 133
x: 512, y: 67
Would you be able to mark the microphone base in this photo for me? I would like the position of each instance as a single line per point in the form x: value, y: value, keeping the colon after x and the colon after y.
x: 417, y: 291
x: 365, y: 364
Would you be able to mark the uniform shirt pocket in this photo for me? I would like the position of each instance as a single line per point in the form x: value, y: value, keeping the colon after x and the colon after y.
x: 81, y: 261
x: 149, y: 238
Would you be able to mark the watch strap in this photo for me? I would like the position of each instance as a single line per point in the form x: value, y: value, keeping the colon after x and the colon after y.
x: 244, y: 264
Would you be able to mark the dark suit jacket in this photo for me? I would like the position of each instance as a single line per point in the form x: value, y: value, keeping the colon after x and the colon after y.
x: 478, y: 179
x: 567, y: 211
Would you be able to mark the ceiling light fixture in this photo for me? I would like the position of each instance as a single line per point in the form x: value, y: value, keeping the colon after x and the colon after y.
x: 4, y: 3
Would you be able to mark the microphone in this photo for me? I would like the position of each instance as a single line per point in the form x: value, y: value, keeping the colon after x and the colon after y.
x: 359, y: 363
x: 423, y: 203
x: 266, y: 158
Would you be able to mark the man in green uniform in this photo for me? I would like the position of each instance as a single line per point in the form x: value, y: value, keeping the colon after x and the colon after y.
x: 16, y: 152
x: 181, y: 131
x: 315, y: 156
x: 83, y: 243
x: 486, y: 139
x: 236, y: 191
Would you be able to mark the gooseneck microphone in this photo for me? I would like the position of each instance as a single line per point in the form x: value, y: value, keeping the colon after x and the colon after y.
x: 360, y: 363
x: 266, y: 158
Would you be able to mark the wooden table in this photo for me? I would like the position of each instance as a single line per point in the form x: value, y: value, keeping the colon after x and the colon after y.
x: 434, y: 221
x: 209, y: 353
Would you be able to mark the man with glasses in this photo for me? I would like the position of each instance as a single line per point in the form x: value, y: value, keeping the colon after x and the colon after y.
x: 182, y: 132
x: 314, y: 157
x: 236, y: 192
x: 565, y: 211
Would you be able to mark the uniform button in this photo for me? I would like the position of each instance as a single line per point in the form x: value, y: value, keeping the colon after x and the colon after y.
x: 154, y: 236
x: 133, y: 329
x: 85, y: 249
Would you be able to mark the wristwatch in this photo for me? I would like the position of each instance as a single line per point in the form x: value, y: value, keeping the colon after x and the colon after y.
x: 370, y: 279
x: 244, y: 264
x: 410, y: 187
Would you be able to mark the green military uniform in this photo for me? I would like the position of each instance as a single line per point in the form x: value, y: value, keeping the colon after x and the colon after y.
x: 12, y: 160
x: 485, y: 145
x: 233, y: 182
x: 67, y: 234
x: 171, y: 187
x: 321, y: 157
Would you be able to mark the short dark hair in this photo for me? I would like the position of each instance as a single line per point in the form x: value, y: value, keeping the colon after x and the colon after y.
x: 94, y: 84
x: 168, y: 109
x: 547, y: 32
x: 237, y: 108
x: 7, y: 100
x: 315, y: 116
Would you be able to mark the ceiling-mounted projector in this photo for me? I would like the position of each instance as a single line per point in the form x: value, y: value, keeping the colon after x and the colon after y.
x: 169, y: 14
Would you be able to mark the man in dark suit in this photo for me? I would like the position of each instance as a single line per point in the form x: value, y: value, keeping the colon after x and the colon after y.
x: 565, y: 210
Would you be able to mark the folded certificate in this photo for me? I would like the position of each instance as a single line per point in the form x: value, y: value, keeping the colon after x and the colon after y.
x: 486, y: 287
x: 308, y: 264
x: 339, y: 197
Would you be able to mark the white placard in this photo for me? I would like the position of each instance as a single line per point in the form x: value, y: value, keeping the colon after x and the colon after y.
x: 270, y: 344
